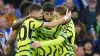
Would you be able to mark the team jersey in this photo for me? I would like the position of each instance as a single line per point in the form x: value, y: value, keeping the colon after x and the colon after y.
x: 69, y: 29
x: 45, y: 34
x: 68, y: 34
x: 24, y: 37
x: 66, y: 47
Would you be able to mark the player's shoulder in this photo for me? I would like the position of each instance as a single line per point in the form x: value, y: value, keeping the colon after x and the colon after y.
x: 31, y: 19
x: 17, y: 20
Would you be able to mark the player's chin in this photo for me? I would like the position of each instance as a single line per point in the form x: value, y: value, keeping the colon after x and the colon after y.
x: 40, y: 17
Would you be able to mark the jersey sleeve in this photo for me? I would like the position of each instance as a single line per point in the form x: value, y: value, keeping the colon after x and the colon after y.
x: 52, y: 42
x: 15, y: 21
x: 57, y: 41
x: 36, y: 24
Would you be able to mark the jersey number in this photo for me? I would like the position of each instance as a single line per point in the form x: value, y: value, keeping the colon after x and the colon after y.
x: 24, y: 31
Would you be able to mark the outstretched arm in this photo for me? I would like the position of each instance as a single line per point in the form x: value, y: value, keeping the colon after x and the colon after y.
x: 57, y: 41
x: 58, y: 22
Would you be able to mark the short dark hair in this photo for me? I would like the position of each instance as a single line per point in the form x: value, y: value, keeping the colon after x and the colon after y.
x: 48, y: 7
x: 61, y: 9
x: 24, y: 7
x: 35, y: 7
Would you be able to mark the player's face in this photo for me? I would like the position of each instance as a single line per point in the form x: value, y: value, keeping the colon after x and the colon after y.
x: 37, y: 14
x: 48, y: 15
x: 56, y: 15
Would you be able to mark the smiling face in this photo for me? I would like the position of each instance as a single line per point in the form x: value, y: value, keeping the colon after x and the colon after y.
x: 37, y: 14
x: 57, y: 15
x: 60, y: 11
x: 48, y: 15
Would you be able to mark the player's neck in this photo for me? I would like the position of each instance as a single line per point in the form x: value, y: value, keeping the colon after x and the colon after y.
x: 46, y: 20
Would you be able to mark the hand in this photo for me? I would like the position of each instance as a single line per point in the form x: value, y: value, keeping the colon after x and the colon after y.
x: 13, y: 33
x: 68, y: 13
x: 36, y: 44
x: 75, y: 47
x: 6, y: 49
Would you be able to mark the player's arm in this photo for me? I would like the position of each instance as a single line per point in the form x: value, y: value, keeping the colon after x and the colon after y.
x: 7, y: 47
x: 57, y: 41
x: 16, y: 25
x: 58, y: 22
x: 19, y: 22
x: 12, y: 35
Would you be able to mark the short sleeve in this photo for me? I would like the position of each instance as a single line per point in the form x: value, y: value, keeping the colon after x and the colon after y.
x: 15, y: 21
x: 35, y: 24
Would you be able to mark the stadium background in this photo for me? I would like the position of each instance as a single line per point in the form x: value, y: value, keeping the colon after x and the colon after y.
x: 85, y: 15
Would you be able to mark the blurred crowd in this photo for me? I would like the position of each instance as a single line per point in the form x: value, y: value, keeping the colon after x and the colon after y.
x: 85, y: 15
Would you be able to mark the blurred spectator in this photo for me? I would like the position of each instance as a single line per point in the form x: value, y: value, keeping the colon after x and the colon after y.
x: 1, y: 34
x: 38, y: 2
x: 79, y: 4
x: 1, y: 6
x: 96, y: 54
x: 88, y: 15
x: 56, y: 2
x: 17, y: 13
x: 97, y: 47
x: 95, y: 29
x: 1, y: 50
x: 88, y: 48
x: 85, y: 3
x: 98, y: 3
x: 96, y: 25
x: 3, y: 28
x: 80, y: 51
x: 70, y: 5
x: 81, y: 34
x: 9, y: 11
